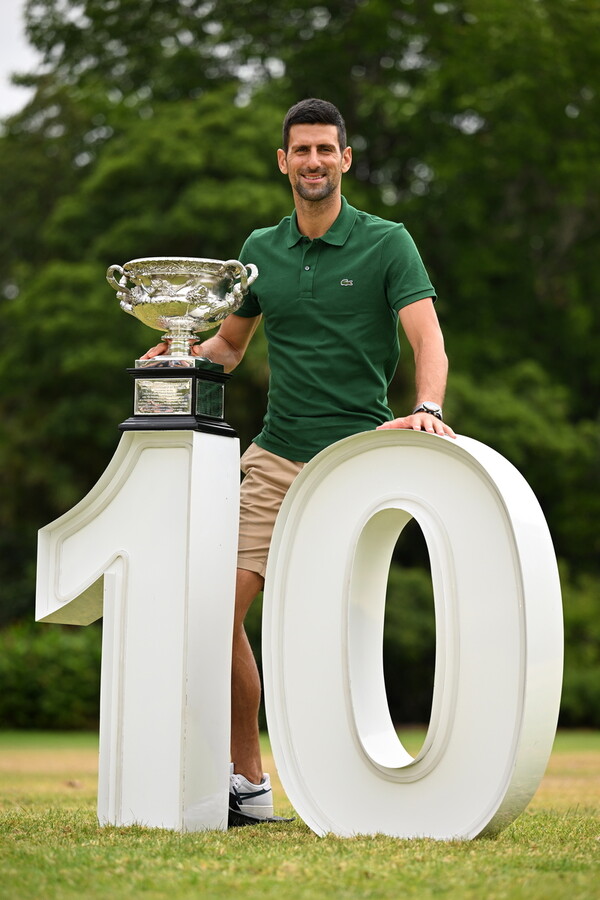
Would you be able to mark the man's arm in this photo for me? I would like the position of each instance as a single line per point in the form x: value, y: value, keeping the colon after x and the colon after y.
x: 226, y: 347
x: 421, y: 326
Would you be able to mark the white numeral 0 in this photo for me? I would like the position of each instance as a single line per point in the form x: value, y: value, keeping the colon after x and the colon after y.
x: 499, y: 639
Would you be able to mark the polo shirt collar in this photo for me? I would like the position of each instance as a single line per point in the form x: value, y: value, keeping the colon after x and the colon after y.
x: 337, y: 235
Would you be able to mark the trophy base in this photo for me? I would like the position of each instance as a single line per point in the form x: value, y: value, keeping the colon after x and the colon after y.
x: 177, y: 423
x: 181, y: 362
x: 179, y: 397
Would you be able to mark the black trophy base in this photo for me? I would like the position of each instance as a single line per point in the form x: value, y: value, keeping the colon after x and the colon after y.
x: 186, y: 398
x: 177, y: 423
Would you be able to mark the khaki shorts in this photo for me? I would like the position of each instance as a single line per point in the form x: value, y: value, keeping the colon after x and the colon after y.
x: 267, y: 479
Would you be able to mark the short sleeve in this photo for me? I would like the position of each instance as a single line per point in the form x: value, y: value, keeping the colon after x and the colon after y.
x: 250, y: 306
x: 406, y: 277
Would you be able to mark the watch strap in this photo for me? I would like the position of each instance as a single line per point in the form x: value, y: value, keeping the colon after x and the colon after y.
x: 434, y: 409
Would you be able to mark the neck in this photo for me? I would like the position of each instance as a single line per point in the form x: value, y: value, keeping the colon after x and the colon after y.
x: 315, y: 217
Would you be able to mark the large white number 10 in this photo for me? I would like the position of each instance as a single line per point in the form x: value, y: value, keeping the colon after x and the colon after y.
x: 168, y: 591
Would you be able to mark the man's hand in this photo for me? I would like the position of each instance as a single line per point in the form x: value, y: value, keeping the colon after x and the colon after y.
x: 159, y: 350
x: 420, y: 422
x: 162, y: 348
x: 226, y: 347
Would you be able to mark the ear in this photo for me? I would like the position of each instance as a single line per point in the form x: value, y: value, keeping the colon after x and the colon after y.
x: 346, y: 159
x: 282, y: 161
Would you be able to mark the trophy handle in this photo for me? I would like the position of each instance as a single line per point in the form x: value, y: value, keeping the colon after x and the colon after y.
x: 120, y: 287
x: 247, y: 274
x: 249, y: 277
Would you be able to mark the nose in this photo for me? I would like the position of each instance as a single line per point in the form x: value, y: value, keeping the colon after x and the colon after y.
x: 314, y: 160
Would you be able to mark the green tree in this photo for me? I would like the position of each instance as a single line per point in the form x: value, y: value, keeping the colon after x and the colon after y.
x: 475, y: 121
x: 509, y: 410
x: 193, y: 179
x: 189, y: 181
x: 152, y: 131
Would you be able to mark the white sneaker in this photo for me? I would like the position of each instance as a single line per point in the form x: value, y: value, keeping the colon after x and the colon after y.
x: 251, y: 799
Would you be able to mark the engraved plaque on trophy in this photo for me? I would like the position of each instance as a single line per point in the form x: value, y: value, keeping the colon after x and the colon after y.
x: 181, y: 296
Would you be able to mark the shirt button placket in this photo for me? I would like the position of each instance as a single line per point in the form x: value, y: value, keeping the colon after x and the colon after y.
x: 307, y: 275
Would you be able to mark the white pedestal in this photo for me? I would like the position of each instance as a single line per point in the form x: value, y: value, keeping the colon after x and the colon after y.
x: 152, y: 548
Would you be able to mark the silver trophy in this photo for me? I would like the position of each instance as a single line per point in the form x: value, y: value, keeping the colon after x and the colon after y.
x: 180, y: 296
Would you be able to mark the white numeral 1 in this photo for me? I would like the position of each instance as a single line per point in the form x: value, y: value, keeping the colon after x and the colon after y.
x: 152, y: 548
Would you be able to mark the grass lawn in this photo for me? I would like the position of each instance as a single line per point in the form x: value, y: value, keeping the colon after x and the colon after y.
x: 51, y: 846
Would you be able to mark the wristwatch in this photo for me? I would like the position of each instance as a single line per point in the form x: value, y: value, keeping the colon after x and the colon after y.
x: 427, y: 406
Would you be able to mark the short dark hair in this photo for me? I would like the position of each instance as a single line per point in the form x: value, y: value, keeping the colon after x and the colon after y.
x: 314, y: 112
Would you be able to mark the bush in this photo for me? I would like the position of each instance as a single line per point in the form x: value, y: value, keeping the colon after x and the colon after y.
x: 50, y: 676
x: 409, y: 645
x: 580, y: 705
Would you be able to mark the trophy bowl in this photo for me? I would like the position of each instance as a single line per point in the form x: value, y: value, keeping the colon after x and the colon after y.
x: 181, y: 295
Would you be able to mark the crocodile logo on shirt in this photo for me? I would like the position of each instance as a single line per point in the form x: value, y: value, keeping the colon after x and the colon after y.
x: 346, y: 282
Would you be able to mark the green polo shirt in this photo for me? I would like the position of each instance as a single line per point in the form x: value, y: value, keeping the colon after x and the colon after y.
x: 330, y: 310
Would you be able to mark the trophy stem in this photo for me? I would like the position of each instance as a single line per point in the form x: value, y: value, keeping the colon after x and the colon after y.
x: 179, y: 343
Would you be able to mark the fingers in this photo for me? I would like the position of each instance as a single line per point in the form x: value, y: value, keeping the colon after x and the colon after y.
x: 394, y: 423
x: 162, y: 350
x: 155, y: 351
x: 449, y: 432
x: 420, y: 422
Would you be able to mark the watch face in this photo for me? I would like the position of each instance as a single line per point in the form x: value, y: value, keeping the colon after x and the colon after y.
x: 432, y: 408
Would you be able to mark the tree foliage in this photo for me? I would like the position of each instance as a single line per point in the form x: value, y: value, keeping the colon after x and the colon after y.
x: 152, y: 130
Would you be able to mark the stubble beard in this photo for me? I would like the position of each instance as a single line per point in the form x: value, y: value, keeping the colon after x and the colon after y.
x: 316, y: 193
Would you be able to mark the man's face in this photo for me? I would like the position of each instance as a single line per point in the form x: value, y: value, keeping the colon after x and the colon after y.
x: 314, y: 161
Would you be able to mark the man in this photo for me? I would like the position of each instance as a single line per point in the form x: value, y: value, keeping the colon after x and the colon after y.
x: 332, y: 283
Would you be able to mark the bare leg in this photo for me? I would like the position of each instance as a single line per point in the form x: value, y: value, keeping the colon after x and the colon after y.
x: 245, y: 684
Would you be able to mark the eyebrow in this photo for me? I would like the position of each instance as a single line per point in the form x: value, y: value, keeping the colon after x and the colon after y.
x: 324, y: 145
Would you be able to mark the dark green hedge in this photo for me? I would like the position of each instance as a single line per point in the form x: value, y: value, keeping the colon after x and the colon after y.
x: 50, y: 674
